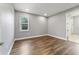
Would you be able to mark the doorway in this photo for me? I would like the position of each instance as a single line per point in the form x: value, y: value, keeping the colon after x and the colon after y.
x: 72, y: 26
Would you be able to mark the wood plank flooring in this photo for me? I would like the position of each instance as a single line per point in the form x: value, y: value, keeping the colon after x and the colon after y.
x: 44, y: 45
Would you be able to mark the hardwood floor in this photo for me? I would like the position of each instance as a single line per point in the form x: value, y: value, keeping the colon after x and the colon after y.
x: 45, y: 45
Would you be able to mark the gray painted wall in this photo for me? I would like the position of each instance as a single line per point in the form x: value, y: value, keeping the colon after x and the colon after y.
x: 37, y: 25
x: 57, y: 25
x: 7, y: 26
x: 76, y: 25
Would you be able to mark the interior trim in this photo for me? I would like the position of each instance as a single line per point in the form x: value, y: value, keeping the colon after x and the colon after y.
x: 11, y: 47
x: 57, y: 37
x: 30, y: 37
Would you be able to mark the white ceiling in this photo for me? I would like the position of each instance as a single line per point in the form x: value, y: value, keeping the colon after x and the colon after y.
x: 41, y: 8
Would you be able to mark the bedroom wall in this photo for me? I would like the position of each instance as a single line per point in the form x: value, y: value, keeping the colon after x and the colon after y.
x: 37, y: 25
x: 57, y: 25
x: 7, y: 26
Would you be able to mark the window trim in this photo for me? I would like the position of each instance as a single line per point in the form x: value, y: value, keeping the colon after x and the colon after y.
x: 20, y: 24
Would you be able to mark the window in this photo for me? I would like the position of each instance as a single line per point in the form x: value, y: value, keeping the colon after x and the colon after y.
x: 24, y: 23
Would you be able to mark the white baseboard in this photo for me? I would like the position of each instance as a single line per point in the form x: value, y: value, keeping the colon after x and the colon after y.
x: 40, y: 36
x: 30, y: 37
x: 57, y: 37
x: 11, y: 47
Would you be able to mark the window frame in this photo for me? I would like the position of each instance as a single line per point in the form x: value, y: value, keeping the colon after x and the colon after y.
x: 23, y: 23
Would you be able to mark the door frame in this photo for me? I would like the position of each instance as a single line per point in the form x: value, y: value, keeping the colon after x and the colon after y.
x: 69, y: 16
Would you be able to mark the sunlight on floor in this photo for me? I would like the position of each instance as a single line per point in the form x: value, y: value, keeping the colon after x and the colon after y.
x: 74, y: 38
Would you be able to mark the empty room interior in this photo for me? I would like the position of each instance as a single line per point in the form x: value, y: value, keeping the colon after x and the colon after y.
x: 39, y: 28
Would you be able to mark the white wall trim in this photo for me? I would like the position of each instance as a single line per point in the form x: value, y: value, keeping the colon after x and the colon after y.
x: 40, y: 36
x: 21, y: 24
x: 57, y: 37
x: 11, y: 47
x: 30, y: 37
